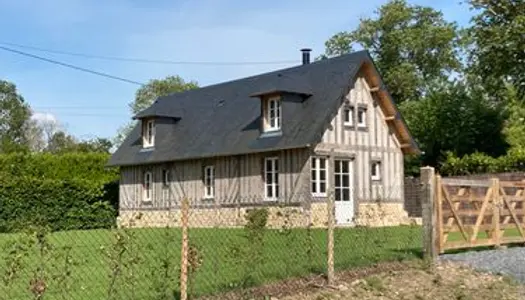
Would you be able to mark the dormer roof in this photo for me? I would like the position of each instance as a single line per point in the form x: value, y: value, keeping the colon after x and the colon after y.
x: 282, y: 84
x: 158, y: 111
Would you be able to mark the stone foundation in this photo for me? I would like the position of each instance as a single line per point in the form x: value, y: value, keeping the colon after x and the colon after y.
x: 382, y: 214
x: 369, y: 214
x: 278, y: 217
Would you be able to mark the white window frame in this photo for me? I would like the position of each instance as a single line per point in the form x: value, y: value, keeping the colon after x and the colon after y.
x: 375, y: 170
x: 348, y: 111
x: 148, y: 134
x: 209, y: 182
x: 340, y: 189
x: 147, y: 186
x: 273, y: 174
x: 165, y: 177
x: 273, y: 123
x: 316, y: 183
x: 362, y: 123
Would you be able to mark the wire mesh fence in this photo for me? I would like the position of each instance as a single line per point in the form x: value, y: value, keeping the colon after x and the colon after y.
x: 208, y: 250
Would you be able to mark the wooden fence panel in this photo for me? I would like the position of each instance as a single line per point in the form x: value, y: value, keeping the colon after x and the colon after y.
x: 474, y: 213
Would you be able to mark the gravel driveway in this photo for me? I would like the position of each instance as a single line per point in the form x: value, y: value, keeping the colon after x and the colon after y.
x: 509, y: 261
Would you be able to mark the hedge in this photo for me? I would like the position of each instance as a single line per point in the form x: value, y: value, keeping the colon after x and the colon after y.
x: 62, y: 192
x: 477, y: 163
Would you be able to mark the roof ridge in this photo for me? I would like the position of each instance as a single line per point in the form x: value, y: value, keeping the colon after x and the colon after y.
x: 314, y: 63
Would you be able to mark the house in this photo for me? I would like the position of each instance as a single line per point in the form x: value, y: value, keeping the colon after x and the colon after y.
x: 279, y: 139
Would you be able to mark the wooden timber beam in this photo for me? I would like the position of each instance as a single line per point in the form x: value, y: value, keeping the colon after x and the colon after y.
x: 390, y: 118
x: 406, y: 145
x: 375, y: 89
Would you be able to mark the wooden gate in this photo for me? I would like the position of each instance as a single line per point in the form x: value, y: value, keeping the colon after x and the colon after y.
x: 472, y: 213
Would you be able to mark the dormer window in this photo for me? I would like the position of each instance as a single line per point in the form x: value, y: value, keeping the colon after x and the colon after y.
x: 148, y: 133
x: 272, y: 114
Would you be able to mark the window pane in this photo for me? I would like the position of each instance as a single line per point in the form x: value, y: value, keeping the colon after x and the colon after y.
x: 337, y: 194
x: 322, y: 163
x: 269, y: 178
x: 337, y: 166
x: 347, y: 115
x: 337, y: 181
x: 276, y: 165
x: 276, y: 191
x: 314, y: 173
x: 269, y: 191
x: 314, y: 187
x: 345, y: 166
x: 346, y: 194
x: 322, y: 187
x: 268, y: 165
x: 346, y: 181
x: 360, y: 116
x: 322, y: 175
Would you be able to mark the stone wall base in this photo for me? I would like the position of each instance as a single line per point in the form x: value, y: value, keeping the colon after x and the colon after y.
x: 369, y: 214
x: 382, y: 214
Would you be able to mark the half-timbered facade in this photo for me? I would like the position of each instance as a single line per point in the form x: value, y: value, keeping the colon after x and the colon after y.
x: 286, y: 138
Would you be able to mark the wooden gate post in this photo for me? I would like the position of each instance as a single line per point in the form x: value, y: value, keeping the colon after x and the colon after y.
x: 496, y: 203
x: 184, y: 250
x: 429, y: 212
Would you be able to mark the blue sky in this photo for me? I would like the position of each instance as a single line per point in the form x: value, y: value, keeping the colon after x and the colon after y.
x: 228, y: 30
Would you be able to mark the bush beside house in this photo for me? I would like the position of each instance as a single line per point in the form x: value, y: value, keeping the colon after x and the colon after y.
x: 62, y: 192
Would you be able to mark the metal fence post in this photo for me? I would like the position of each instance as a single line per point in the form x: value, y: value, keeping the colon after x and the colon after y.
x: 429, y: 211
x: 184, y: 250
x: 330, y: 225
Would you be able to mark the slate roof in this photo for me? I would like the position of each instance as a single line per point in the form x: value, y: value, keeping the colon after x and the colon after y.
x: 223, y: 119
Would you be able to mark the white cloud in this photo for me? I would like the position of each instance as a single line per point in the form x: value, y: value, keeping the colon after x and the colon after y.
x: 44, y: 117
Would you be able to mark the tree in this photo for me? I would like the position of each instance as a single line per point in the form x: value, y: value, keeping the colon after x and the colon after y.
x: 146, y: 95
x: 497, y: 45
x: 61, y: 142
x: 455, y: 118
x: 14, y: 117
x: 100, y: 145
x: 515, y: 124
x: 34, y: 136
x: 413, y: 47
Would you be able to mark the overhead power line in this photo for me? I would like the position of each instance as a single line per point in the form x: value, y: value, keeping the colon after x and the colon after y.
x: 71, y: 66
x: 150, y: 61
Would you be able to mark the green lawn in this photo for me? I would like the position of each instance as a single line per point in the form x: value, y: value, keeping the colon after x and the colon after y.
x: 144, y: 266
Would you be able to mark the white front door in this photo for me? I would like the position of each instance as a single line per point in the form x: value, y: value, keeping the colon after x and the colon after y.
x: 344, y: 192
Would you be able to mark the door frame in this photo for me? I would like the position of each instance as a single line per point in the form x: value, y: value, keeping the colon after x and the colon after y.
x: 351, y: 186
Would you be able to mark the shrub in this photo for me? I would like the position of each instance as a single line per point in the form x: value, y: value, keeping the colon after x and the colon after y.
x: 62, y: 192
x: 513, y: 161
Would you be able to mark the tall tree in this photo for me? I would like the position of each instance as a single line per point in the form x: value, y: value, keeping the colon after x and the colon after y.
x: 34, y: 136
x: 497, y: 45
x: 14, y: 117
x: 145, y: 96
x: 155, y: 88
x: 514, y: 129
x: 413, y: 47
x: 455, y: 118
x: 61, y: 142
